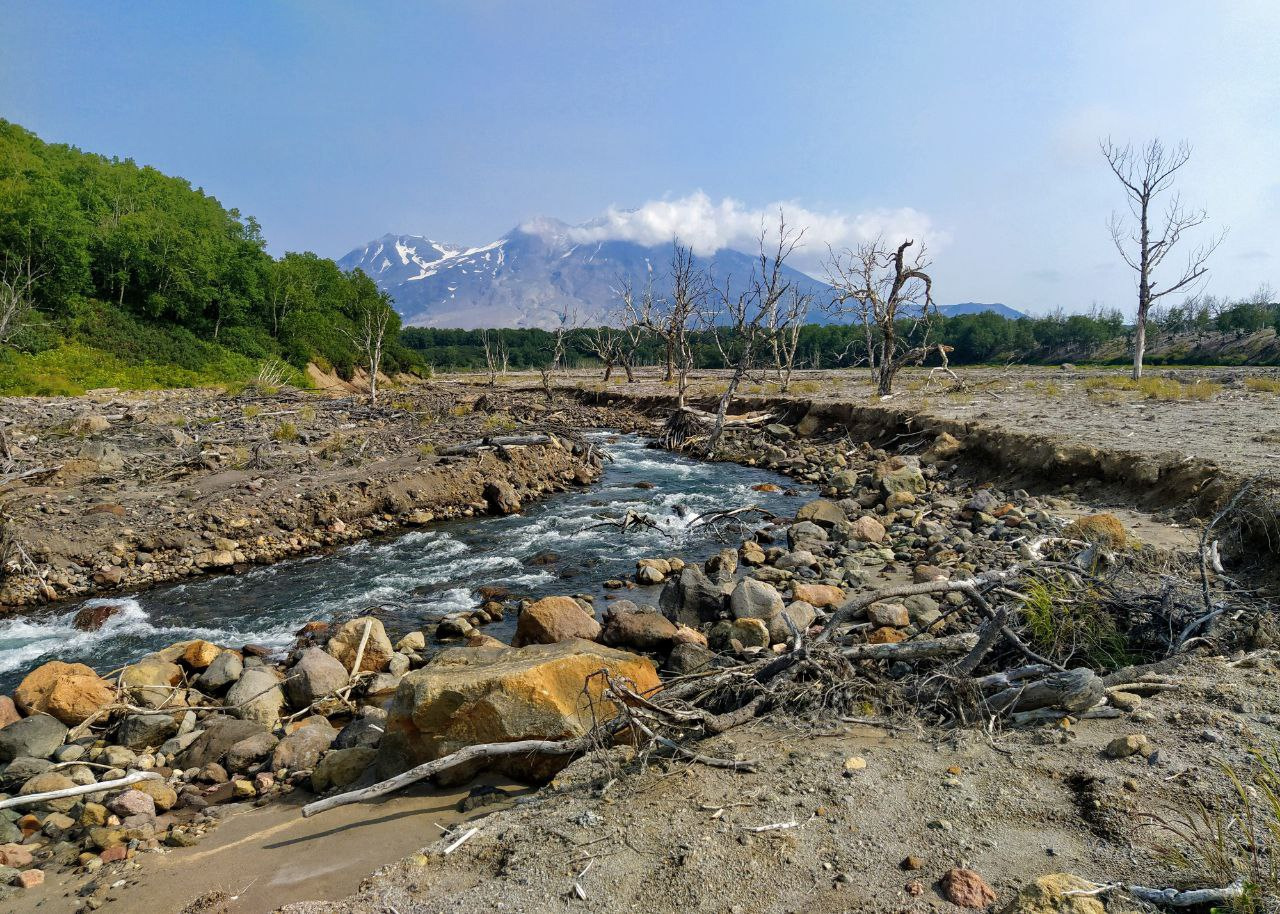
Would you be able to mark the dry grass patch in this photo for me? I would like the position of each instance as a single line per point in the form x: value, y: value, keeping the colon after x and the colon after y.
x: 1263, y: 385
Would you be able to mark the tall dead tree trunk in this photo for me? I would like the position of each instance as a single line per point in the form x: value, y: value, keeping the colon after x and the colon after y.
x: 1145, y: 175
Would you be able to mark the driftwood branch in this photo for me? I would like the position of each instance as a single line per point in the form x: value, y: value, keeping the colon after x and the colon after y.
x: 81, y: 789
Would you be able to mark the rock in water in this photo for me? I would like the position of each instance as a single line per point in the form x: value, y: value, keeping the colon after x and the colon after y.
x: 466, y: 696
x: 70, y: 692
x: 554, y: 619
x: 377, y: 650
x: 93, y: 617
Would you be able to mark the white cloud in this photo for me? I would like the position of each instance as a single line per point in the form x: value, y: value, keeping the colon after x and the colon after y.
x: 708, y: 226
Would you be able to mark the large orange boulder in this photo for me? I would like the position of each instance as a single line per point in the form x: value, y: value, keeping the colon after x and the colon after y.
x: 554, y: 619
x: 71, y: 692
x: 466, y: 696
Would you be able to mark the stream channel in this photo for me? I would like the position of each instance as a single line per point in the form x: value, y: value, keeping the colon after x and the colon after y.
x: 424, y: 574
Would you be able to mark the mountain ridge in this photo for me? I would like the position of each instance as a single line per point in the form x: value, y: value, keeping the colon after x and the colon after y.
x: 535, y: 271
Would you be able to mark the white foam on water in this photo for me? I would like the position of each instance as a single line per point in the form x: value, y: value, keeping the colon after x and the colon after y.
x: 458, y: 599
x: 26, y: 640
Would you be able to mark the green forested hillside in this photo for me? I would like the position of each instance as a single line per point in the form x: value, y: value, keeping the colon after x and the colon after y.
x: 139, y: 279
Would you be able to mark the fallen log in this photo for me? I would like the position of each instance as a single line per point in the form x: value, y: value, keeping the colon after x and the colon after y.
x: 910, y: 651
x: 1072, y: 690
x: 81, y: 790
x: 479, y: 444
x: 478, y: 752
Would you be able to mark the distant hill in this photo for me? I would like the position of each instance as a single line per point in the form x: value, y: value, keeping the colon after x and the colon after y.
x: 525, y: 277
x: 973, y: 307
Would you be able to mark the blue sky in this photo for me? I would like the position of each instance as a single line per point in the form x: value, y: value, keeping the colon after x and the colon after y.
x: 974, y: 125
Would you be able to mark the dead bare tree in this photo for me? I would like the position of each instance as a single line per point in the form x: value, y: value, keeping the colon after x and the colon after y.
x: 1146, y: 174
x: 606, y: 344
x: 496, y: 356
x: 879, y: 287
x: 372, y: 319
x: 18, y: 279
x: 566, y: 321
x: 673, y: 319
x: 784, y: 335
x: 745, y: 323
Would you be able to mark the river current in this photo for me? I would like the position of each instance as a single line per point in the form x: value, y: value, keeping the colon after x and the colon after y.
x: 424, y: 574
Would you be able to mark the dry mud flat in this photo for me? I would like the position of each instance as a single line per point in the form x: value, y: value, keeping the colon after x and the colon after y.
x: 119, y: 491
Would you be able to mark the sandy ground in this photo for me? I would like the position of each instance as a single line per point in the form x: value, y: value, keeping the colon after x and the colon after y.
x: 1013, y: 805
x: 260, y: 858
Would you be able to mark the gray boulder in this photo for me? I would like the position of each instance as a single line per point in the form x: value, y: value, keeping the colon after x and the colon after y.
x: 36, y: 736
x: 303, y: 747
x: 249, y: 751
x: 691, y: 598
x: 222, y: 672
x: 316, y: 674
x: 821, y: 511
x: 365, y: 729
x: 220, y: 734
x: 23, y: 769
x: 257, y: 696
x: 340, y: 767
x: 752, y: 599
x: 142, y: 731
x: 800, y: 613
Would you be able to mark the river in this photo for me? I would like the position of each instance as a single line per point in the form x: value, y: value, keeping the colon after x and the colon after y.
x: 423, y: 574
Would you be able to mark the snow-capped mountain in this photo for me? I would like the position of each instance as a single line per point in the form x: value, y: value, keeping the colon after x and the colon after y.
x: 537, y: 270
x: 525, y: 277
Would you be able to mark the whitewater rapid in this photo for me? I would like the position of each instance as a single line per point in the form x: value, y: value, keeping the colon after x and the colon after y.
x: 421, y: 575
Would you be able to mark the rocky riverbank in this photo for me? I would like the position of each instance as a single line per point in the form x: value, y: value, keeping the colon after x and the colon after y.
x: 198, y: 724
x: 118, y: 491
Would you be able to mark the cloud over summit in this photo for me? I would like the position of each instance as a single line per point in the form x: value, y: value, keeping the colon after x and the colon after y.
x: 707, y: 226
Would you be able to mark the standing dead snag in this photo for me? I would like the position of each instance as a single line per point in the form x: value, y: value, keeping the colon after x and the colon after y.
x: 743, y: 323
x: 496, y: 356
x: 672, y: 319
x: 17, y: 287
x: 371, y: 322
x: 784, y: 335
x: 1145, y: 175
x: 880, y: 289
x: 565, y: 321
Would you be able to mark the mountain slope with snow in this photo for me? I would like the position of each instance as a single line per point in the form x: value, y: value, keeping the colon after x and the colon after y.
x: 525, y: 277
x: 535, y: 271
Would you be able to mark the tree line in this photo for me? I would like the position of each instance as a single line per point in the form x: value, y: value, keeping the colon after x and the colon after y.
x: 982, y: 338
x: 124, y: 258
